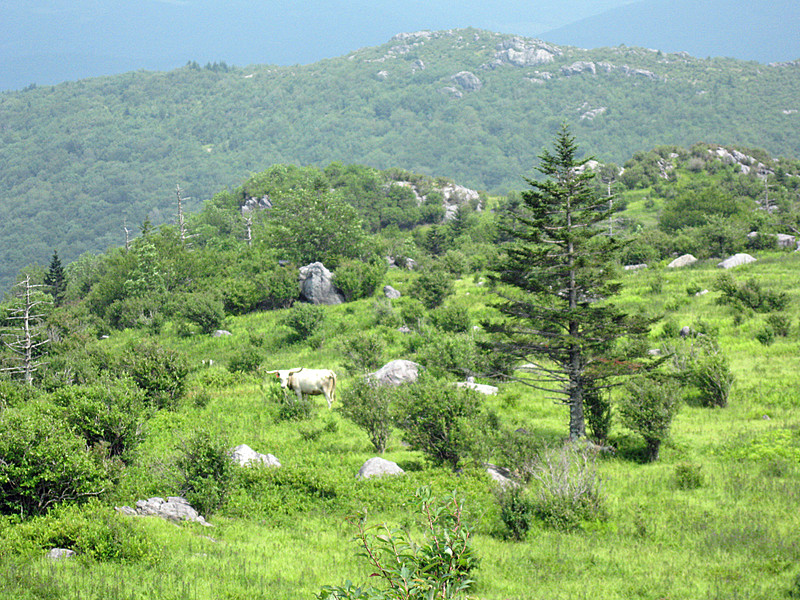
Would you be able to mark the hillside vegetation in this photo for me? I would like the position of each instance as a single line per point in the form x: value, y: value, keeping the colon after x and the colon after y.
x: 83, y: 160
x: 134, y: 396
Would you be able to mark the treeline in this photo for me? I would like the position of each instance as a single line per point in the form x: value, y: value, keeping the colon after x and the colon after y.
x: 83, y: 159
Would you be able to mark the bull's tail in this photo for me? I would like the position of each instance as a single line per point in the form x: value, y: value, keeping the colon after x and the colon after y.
x: 333, y: 388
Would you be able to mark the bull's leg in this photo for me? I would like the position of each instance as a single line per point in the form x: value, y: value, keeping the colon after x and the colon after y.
x: 327, y: 397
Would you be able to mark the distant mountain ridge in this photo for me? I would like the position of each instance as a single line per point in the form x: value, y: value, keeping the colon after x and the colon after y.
x: 762, y: 30
x: 82, y: 160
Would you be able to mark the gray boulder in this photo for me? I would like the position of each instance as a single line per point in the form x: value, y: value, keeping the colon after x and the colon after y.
x: 682, y: 261
x: 221, y: 333
x: 736, y: 260
x: 467, y: 80
x: 378, y: 467
x: 481, y: 388
x: 60, y: 554
x: 638, y: 267
x: 316, y: 285
x: 390, y: 292
x: 501, y: 476
x: 172, y: 509
x: 396, y: 372
x: 245, y: 456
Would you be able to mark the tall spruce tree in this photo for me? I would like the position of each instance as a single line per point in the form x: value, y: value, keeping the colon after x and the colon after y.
x: 554, y: 280
x: 55, y: 280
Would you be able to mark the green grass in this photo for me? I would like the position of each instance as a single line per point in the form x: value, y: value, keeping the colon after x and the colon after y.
x: 732, y: 536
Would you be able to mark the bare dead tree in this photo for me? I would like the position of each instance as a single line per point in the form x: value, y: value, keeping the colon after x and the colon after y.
x: 184, y: 234
x: 26, y: 338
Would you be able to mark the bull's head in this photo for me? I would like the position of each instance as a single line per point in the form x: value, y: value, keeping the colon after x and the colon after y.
x: 283, y: 375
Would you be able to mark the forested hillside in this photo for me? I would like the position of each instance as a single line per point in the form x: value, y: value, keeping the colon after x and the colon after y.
x: 134, y: 373
x: 83, y: 160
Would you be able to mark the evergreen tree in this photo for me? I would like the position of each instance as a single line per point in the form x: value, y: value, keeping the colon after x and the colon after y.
x: 55, y: 280
x: 557, y: 272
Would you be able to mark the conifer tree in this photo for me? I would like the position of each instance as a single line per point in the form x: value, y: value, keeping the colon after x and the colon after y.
x: 55, y: 280
x: 554, y: 282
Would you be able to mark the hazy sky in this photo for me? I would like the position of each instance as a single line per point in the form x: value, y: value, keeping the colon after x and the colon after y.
x: 47, y: 41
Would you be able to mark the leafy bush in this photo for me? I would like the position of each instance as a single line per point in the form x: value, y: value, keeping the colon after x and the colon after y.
x: 437, y: 569
x: 443, y: 354
x: 749, y: 294
x: 43, y: 461
x: 289, y: 407
x: 452, y: 318
x: 245, y: 360
x: 441, y: 420
x: 203, y: 310
x: 108, y: 415
x: 432, y: 287
x: 367, y: 405
x: 160, y: 372
x: 598, y: 412
x: 137, y: 312
x: 93, y: 531
x: 282, y: 287
x: 780, y: 323
x: 569, y: 488
x: 516, y: 511
x: 688, y: 476
x: 304, y: 319
x: 205, y: 469
x: 710, y: 373
x: 363, y: 351
x: 648, y: 409
x: 358, y: 279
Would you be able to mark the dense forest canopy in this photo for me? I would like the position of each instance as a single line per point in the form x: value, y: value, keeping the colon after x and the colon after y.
x: 85, y: 159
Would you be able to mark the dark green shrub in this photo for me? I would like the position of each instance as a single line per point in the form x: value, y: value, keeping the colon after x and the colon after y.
x: 96, y: 532
x: 367, y: 405
x: 240, y: 295
x: 432, y: 287
x: 516, y: 511
x: 109, y: 415
x: 456, y: 354
x: 443, y: 421
x: 245, y: 360
x: 203, y: 310
x: 363, y: 351
x: 44, y: 462
x: 452, y: 317
x: 780, y: 323
x: 598, y: 412
x: 282, y: 287
x: 287, y: 407
x: 766, y: 335
x: 648, y: 409
x: 688, y: 476
x: 412, y: 312
x: 749, y: 294
x: 204, y: 469
x: 385, y: 314
x: 160, y: 372
x: 305, y: 319
x: 136, y: 313
x: 358, y: 279
x: 710, y: 373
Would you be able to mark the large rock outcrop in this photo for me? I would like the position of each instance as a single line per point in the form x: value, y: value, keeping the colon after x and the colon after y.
x: 736, y: 260
x: 316, y: 285
x: 396, y: 372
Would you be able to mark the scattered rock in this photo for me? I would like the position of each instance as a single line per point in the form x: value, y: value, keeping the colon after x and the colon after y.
x: 686, y: 331
x: 173, y: 509
x: 638, y: 267
x: 391, y: 293
x: 378, y: 467
x: 245, y: 456
x: 316, y: 285
x: 487, y: 390
x: 221, y: 333
x: 736, y: 260
x: 60, y: 554
x: 682, y: 261
x: 468, y: 81
x: 396, y: 372
x: 501, y: 476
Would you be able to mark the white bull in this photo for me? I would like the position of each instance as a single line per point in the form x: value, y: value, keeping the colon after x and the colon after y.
x: 308, y: 381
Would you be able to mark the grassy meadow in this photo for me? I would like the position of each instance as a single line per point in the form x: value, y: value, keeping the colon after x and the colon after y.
x: 733, y: 533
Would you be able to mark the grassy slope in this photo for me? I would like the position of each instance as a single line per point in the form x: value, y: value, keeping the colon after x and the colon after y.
x: 734, y: 537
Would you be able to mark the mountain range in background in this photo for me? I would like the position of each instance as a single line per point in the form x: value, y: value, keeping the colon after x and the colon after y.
x: 61, y: 40
x: 762, y: 31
